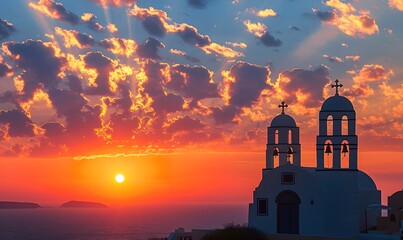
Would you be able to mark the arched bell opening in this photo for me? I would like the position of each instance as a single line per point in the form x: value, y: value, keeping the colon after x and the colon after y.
x: 276, y: 157
x: 329, y: 125
x: 290, y: 155
x: 276, y: 137
x: 328, y: 152
x: 345, y: 154
x: 289, y: 136
x: 344, y: 125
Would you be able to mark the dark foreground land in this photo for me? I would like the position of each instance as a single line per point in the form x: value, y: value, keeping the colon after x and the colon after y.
x: 82, y: 204
x: 17, y: 205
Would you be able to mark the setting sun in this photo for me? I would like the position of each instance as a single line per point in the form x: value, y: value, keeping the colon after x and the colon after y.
x: 120, y: 178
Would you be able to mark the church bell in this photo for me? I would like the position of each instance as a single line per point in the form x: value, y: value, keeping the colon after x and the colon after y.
x: 328, y: 150
x: 275, y: 152
x: 344, y: 150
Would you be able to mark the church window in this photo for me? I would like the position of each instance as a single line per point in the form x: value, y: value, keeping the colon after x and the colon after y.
x: 289, y: 137
x: 329, y: 126
x: 344, y: 125
x: 276, y: 137
x: 262, y: 207
x: 288, y: 178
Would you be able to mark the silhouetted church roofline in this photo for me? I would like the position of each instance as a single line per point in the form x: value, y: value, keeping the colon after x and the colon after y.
x: 337, y: 102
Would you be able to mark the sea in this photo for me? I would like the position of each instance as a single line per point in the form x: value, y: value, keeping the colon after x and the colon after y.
x: 134, y: 223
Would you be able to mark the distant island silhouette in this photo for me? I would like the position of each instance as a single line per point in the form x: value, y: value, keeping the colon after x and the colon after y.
x: 17, y: 205
x: 82, y: 204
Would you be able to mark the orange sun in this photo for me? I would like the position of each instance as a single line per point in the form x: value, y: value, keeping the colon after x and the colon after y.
x: 119, y: 178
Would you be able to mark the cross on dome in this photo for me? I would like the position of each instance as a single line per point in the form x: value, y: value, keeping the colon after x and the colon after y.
x: 337, y: 86
x: 282, y: 106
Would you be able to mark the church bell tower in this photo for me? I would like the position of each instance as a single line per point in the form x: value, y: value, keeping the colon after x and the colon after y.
x: 337, y: 139
x: 283, y: 140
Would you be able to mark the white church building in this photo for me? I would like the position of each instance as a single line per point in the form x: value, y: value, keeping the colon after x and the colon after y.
x: 330, y: 199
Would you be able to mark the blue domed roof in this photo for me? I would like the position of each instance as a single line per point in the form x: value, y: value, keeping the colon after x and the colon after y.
x: 337, y: 103
x: 283, y: 120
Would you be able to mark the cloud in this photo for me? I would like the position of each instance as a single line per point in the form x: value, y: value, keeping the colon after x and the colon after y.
x: 304, y: 86
x: 269, y: 41
x: 155, y: 22
x: 354, y: 58
x: 6, y: 29
x: 5, y: 69
x: 35, y: 74
x: 53, y: 129
x: 244, y: 83
x: 123, y: 126
x: 333, y: 59
x: 221, y: 50
x: 114, y: 3
x: 17, y: 123
x: 239, y: 45
x: 185, y: 55
x: 73, y: 38
x: 294, y: 28
x: 154, y: 86
x: 324, y: 15
x: 150, y: 49
x: 264, y: 13
x: 112, y: 28
x: 260, y: 31
x: 185, y: 123
x: 368, y: 73
x: 55, y: 10
x: 397, y: 4
x: 371, y: 73
x: 190, y: 35
x: 345, y: 17
x: 226, y: 114
x: 199, y: 4
x: 392, y: 92
x: 120, y: 46
x: 257, y: 29
x: 103, y: 66
x: 90, y: 19
x: 195, y: 83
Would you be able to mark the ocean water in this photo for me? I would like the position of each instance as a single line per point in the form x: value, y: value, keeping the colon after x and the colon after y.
x: 136, y: 223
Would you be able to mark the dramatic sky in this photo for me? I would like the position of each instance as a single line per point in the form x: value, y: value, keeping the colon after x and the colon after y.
x: 170, y: 90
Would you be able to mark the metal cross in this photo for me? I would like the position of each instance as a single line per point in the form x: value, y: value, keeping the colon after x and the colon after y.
x: 337, y: 86
x: 282, y: 106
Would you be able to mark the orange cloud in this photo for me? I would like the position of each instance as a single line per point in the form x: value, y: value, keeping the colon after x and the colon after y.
x: 221, y: 50
x: 112, y: 28
x: 348, y: 20
x: 354, y: 58
x: 392, y: 92
x: 257, y: 29
x: 368, y: 73
x: 333, y: 59
x: 373, y: 72
x: 120, y: 46
x: 73, y: 38
x: 398, y: 4
x: 266, y: 13
x: 240, y: 45
x: 55, y: 11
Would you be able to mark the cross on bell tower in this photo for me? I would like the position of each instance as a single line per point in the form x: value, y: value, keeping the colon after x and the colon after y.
x: 337, y: 86
x: 283, y: 106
